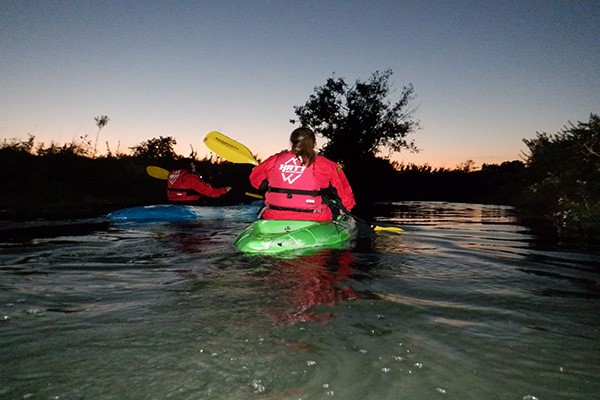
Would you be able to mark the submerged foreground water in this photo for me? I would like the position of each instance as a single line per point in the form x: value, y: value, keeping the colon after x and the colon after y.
x: 465, y: 304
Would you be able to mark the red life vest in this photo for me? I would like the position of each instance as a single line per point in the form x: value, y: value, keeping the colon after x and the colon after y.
x: 292, y: 186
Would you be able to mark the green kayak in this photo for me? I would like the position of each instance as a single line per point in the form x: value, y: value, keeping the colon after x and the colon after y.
x: 283, y: 236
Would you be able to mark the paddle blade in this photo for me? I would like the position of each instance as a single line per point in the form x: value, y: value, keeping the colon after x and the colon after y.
x: 378, y: 228
x: 228, y: 148
x: 157, y: 172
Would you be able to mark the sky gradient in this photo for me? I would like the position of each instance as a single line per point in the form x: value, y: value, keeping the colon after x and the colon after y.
x: 486, y: 74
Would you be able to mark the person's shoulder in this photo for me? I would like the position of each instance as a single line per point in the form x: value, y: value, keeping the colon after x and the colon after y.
x: 326, y: 161
x: 276, y: 155
x: 188, y: 175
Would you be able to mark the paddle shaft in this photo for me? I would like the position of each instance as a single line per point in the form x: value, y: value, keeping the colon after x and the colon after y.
x: 376, y: 228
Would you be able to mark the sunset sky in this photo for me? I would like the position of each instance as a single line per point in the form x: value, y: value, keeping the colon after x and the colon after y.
x: 486, y: 74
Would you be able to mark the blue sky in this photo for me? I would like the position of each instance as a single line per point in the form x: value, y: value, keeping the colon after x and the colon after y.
x: 486, y: 73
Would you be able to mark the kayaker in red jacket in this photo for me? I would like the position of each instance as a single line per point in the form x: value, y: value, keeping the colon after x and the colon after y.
x: 188, y: 186
x: 296, y: 181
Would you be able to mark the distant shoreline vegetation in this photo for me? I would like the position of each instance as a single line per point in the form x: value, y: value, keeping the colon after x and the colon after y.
x: 41, y: 178
x: 559, y: 181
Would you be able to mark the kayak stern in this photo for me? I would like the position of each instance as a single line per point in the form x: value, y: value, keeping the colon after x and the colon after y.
x: 281, y: 236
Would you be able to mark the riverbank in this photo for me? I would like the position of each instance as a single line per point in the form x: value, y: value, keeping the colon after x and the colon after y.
x: 67, y: 185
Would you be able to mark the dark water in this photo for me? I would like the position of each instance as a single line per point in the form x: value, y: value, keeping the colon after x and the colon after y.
x: 464, y: 304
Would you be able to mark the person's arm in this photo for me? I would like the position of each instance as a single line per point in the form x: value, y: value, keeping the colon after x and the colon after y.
x: 340, y: 182
x: 329, y: 174
x: 205, y: 189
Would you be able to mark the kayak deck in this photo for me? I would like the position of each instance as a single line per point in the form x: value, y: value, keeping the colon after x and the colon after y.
x: 282, y: 236
x: 176, y: 213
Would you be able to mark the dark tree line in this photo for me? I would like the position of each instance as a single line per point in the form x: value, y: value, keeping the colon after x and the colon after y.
x: 55, y: 180
x: 558, y: 179
x: 68, y: 181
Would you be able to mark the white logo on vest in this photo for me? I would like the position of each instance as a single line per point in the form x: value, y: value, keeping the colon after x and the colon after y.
x: 291, y: 171
x: 173, y: 177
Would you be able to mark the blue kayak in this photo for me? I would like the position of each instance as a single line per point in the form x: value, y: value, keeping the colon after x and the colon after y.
x: 175, y: 213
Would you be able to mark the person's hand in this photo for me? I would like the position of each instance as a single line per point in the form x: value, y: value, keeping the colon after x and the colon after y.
x: 228, y: 188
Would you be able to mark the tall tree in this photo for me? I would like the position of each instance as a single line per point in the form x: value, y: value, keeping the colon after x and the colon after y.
x: 359, y: 121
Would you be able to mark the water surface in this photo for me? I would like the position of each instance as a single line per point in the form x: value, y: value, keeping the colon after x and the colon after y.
x: 464, y: 304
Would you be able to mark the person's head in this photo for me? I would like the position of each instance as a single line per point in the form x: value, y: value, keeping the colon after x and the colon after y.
x: 303, y: 144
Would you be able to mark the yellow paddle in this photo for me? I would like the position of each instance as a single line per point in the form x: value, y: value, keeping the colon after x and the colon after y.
x: 157, y: 172
x: 228, y: 148
x: 233, y: 151
x: 377, y: 228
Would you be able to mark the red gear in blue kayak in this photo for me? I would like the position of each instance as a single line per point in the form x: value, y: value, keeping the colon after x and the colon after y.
x: 183, y: 185
x: 296, y: 182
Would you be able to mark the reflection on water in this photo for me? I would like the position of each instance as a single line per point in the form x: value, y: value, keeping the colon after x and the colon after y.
x: 443, y: 214
x: 305, y: 283
x: 464, y: 304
